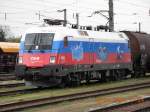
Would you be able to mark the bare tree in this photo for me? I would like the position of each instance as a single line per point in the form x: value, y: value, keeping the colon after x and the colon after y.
x: 2, y: 35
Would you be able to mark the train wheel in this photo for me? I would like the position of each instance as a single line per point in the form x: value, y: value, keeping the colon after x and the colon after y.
x: 87, y: 81
x: 137, y: 73
x: 88, y: 78
x: 75, y: 80
x: 68, y: 80
x: 113, y: 75
x: 78, y: 81
x: 143, y: 73
x: 63, y: 82
x: 40, y: 87
x: 106, y: 76
x: 103, y: 76
x: 121, y: 74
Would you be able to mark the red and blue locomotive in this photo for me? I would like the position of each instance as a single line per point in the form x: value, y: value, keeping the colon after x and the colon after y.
x: 60, y: 55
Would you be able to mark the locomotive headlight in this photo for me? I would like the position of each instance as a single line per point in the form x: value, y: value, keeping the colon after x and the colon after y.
x: 20, y: 60
x: 52, y: 59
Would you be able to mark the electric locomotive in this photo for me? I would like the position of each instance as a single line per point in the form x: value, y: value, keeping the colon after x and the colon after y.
x: 63, y: 56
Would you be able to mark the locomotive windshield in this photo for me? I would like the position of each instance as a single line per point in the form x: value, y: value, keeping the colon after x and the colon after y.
x: 38, y: 41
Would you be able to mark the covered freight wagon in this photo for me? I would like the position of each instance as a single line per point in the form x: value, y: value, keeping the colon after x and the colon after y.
x: 140, y: 50
x: 8, y: 56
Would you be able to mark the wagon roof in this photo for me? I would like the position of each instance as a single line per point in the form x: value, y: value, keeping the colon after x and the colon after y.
x: 9, y: 47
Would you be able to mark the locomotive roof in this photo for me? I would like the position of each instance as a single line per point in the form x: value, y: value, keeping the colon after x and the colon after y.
x: 9, y: 47
x: 80, y: 34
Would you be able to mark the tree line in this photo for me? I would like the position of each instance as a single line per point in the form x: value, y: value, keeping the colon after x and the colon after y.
x: 3, y: 38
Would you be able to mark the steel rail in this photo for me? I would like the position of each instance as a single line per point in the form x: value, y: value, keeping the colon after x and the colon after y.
x: 21, y: 91
x: 11, y: 85
x: 52, y: 100
x: 5, y: 77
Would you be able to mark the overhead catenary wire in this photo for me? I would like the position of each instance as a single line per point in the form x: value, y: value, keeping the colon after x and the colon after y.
x: 58, y: 4
x: 134, y: 4
x: 45, y: 10
x: 52, y: 5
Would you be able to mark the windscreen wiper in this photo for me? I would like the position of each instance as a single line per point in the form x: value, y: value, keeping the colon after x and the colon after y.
x: 34, y: 43
x: 30, y: 49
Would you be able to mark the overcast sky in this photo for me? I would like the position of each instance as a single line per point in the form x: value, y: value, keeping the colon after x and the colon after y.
x: 21, y: 13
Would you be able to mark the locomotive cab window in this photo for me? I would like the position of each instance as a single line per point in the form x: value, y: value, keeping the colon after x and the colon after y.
x: 65, y: 41
x: 39, y: 41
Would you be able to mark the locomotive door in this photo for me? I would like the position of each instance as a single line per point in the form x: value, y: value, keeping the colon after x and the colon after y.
x: 91, y: 49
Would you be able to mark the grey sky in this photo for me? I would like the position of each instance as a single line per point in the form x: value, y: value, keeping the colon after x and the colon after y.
x: 127, y: 13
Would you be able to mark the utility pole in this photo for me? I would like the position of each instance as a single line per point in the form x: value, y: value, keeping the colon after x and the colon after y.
x: 111, y: 16
x: 65, y: 16
x: 5, y: 16
x: 77, y: 18
x: 139, y: 26
x: 39, y: 15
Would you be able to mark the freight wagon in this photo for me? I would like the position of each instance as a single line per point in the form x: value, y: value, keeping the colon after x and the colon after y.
x: 8, y: 56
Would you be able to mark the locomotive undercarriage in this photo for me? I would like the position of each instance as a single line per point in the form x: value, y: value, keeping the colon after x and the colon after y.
x: 75, y: 79
x: 61, y: 75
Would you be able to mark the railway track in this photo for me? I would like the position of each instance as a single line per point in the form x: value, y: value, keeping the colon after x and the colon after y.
x: 21, y: 91
x: 34, y: 90
x: 5, y: 77
x: 52, y: 100
x: 137, y: 105
x: 11, y: 85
